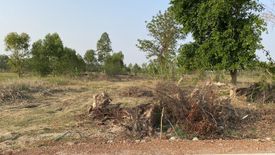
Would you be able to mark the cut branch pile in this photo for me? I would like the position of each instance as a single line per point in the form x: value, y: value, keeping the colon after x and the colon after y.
x: 140, y: 121
x: 259, y: 92
x: 201, y: 113
x: 10, y: 94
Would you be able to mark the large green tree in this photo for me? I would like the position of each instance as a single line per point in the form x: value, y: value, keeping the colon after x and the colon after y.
x: 226, y: 33
x: 104, y: 47
x: 18, y: 45
x: 165, y: 33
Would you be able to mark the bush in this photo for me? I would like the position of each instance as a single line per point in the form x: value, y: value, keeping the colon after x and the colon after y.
x: 113, y: 65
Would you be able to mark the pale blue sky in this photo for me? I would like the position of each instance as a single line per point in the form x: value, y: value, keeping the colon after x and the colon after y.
x: 81, y: 22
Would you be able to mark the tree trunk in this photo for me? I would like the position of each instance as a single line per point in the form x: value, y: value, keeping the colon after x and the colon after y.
x: 234, y: 74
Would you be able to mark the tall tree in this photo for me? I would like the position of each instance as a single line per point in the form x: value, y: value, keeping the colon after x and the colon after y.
x: 226, y: 33
x: 18, y: 45
x: 103, y: 47
x: 165, y: 33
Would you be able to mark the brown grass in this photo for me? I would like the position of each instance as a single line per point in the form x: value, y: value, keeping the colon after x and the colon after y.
x: 65, y: 111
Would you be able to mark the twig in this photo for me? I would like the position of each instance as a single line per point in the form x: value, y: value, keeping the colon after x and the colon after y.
x: 161, y: 122
x: 62, y: 136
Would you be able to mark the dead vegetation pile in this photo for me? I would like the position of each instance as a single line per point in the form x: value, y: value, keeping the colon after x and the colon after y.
x: 139, y: 121
x: 136, y: 92
x: 261, y: 92
x: 20, y: 92
x: 200, y: 113
x: 11, y: 94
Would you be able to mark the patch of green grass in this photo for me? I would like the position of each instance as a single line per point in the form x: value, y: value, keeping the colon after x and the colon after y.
x: 180, y: 133
x: 8, y: 76
x: 58, y: 80
x: 232, y: 133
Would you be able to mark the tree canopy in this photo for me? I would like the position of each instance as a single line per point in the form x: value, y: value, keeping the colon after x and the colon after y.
x: 90, y: 60
x: 18, y: 45
x: 165, y: 33
x: 4, y: 59
x: 114, y: 64
x: 104, y: 47
x: 50, y: 56
x: 226, y: 33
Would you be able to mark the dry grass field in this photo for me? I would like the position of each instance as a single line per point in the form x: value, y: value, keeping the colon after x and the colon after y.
x: 40, y: 112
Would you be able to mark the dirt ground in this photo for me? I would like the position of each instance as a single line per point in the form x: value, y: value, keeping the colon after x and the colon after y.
x: 50, y: 116
x: 157, y: 147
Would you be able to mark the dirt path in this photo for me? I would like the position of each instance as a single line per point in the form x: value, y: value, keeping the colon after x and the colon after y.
x: 158, y: 147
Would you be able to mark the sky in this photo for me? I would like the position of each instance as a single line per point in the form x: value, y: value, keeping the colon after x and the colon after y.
x: 80, y: 23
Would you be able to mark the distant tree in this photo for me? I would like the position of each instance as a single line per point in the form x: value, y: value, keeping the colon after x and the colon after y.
x: 4, y: 59
x: 90, y: 60
x: 47, y: 55
x: 103, y: 47
x: 40, y: 58
x: 130, y: 67
x: 113, y: 64
x: 136, y: 69
x: 18, y: 45
x: 81, y: 65
x: 54, y: 47
x: 226, y: 33
x: 165, y: 32
x: 71, y: 62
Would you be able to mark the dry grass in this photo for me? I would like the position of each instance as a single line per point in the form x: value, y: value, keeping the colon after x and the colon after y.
x: 62, y: 115
x: 55, y: 114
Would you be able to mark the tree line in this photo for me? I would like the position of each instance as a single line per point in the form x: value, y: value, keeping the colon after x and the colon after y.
x: 49, y: 56
x: 226, y: 36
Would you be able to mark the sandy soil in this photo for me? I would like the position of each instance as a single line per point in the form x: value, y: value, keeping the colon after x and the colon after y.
x: 156, y: 147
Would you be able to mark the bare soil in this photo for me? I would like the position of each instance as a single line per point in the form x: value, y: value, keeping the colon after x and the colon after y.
x: 156, y: 147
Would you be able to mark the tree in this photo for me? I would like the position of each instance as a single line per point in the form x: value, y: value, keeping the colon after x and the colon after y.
x: 50, y: 56
x: 40, y: 58
x: 4, y: 59
x: 165, y: 33
x: 136, y: 69
x: 103, y: 47
x: 114, y: 64
x: 226, y: 33
x: 71, y: 62
x: 47, y: 55
x: 18, y: 45
x: 90, y: 60
x: 130, y: 68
